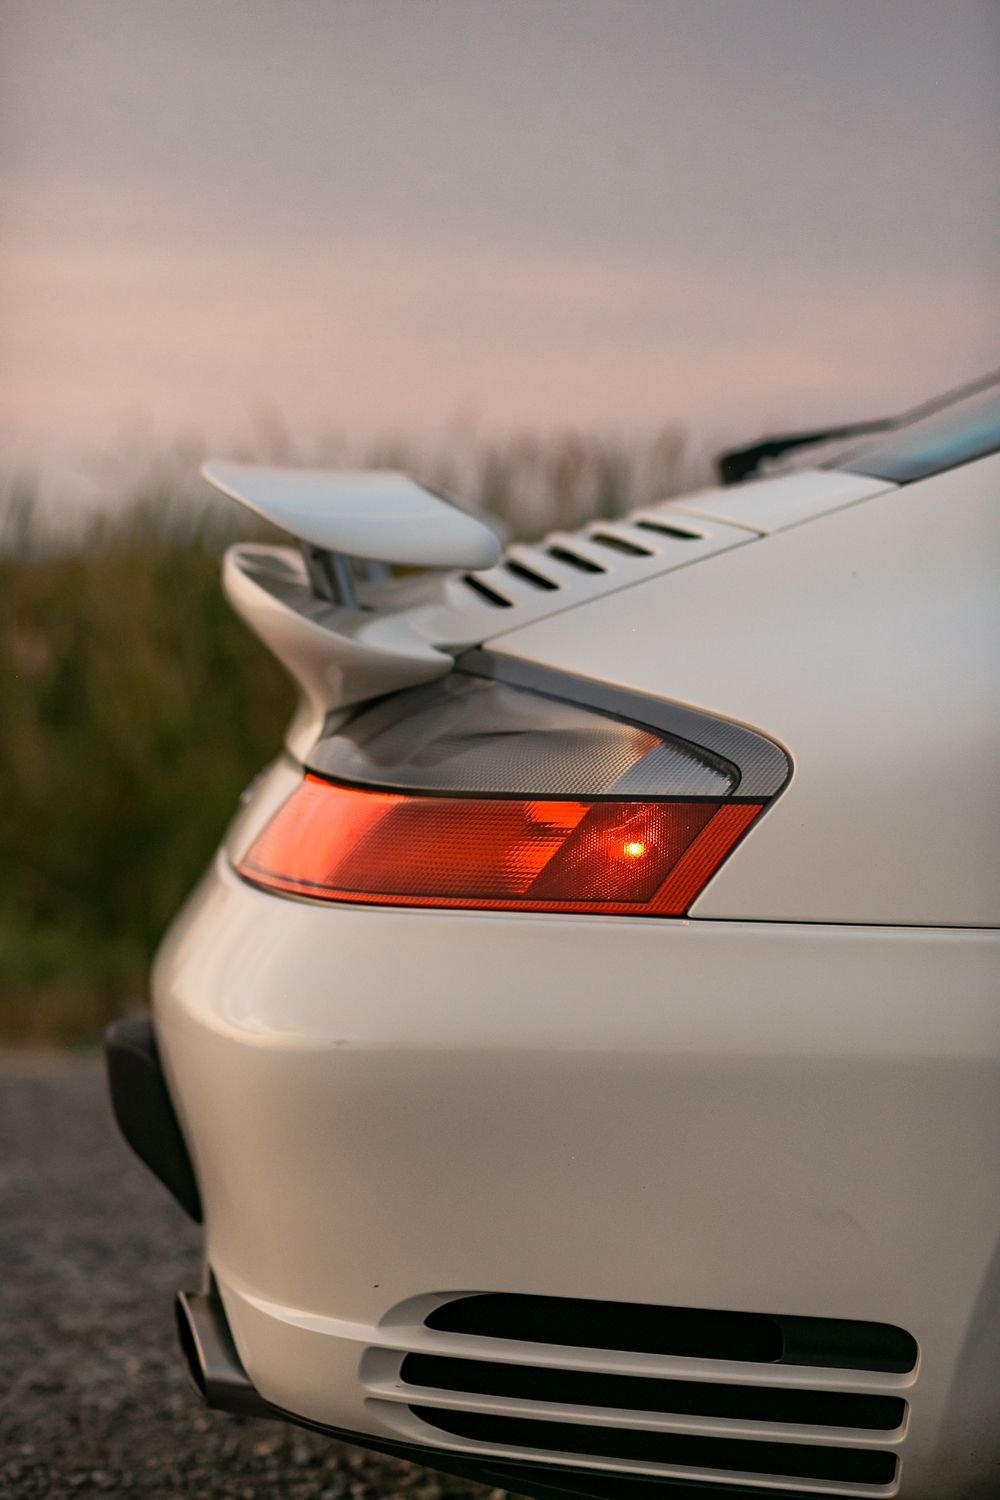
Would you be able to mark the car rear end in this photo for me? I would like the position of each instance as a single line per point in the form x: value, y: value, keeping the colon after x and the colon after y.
x: 587, y: 1060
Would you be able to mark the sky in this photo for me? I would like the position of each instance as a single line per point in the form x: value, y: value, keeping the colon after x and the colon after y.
x: 388, y: 215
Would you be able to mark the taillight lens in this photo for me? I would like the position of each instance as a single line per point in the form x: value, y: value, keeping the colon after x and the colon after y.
x: 625, y: 857
x: 478, y: 793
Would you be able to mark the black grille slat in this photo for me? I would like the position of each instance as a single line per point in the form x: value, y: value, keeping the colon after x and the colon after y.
x: 663, y: 527
x: 492, y: 596
x: 620, y: 544
x: 528, y: 575
x: 639, y: 1393
x: 575, y: 560
x: 695, y: 1333
x: 736, y: 1455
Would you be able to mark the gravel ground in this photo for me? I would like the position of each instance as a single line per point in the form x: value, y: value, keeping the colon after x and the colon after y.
x: 93, y: 1400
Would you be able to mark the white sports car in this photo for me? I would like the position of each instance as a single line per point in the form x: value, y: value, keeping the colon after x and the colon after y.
x: 584, y: 1051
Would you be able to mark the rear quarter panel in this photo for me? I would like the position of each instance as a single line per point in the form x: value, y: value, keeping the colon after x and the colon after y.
x: 864, y: 641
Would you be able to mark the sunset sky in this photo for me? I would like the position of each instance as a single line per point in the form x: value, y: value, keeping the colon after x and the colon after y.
x: 375, y: 214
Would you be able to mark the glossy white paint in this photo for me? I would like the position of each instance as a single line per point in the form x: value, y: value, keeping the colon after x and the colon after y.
x: 865, y: 642
x: 788, y: 1104
x: 388, y: 1105
x: 371, y: 513
x: 337, y: 656
x: 774, y: 504
x: 401, y: 631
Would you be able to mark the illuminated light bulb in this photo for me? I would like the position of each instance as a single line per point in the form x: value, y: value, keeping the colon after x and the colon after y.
x: 634, y: 849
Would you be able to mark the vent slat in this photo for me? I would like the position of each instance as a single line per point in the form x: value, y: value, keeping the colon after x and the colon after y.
x: 575, y: 560
x: 528, y: 575
x: 665, y: 529
x: 690, y: 1398
x: 620, y: 544
x: 731, y: 1455
x: 491, y: 595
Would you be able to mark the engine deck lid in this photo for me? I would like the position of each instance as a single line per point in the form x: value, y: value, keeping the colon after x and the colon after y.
x: 784, y: 500
x: 865, y: 646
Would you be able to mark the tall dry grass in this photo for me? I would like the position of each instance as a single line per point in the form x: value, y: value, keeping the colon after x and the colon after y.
x: 135, y: 707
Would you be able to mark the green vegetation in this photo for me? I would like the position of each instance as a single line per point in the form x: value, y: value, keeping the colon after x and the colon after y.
x: 135, y: 707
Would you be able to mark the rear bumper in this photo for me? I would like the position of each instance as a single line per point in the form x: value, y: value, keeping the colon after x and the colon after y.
x: 388, y: 1109
x: 221, y: 1380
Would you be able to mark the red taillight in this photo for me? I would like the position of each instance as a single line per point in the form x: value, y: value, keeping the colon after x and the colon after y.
x: 626, y: 857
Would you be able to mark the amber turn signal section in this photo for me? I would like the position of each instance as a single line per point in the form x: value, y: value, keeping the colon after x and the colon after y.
x: 341, y: 843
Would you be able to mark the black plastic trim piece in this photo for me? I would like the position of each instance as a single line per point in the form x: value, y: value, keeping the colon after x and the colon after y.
x: 738, y: 464
x: 144, y: 1110
x: 213, y: 1365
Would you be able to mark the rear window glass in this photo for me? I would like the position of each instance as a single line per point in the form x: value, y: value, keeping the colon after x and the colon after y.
x: 968, y: 430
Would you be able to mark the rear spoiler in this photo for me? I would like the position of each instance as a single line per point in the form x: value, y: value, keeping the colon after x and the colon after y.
x: 373, y: 515
x: 327, y: 614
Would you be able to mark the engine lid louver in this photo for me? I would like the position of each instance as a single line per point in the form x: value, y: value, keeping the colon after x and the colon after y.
x: 573, y: 567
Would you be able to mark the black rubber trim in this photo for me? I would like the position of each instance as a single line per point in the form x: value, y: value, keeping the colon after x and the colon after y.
x: 230, y: 1389
x: 144, y: 1110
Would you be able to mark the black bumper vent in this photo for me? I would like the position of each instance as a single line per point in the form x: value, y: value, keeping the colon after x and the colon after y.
x: 694, y: 1333
x: 737, y: 1456
x: 693, y: 1398
x: 569, y: 1391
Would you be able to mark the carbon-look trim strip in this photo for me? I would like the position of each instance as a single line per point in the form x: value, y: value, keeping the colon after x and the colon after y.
x: 763, y: 765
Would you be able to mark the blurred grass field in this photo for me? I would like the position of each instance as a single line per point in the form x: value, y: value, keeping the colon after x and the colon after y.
x: 135, y: 707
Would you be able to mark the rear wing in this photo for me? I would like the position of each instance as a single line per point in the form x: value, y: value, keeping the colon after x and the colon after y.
x: 316, y: 611
x: 371, y: 515
x: 348, y: 628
